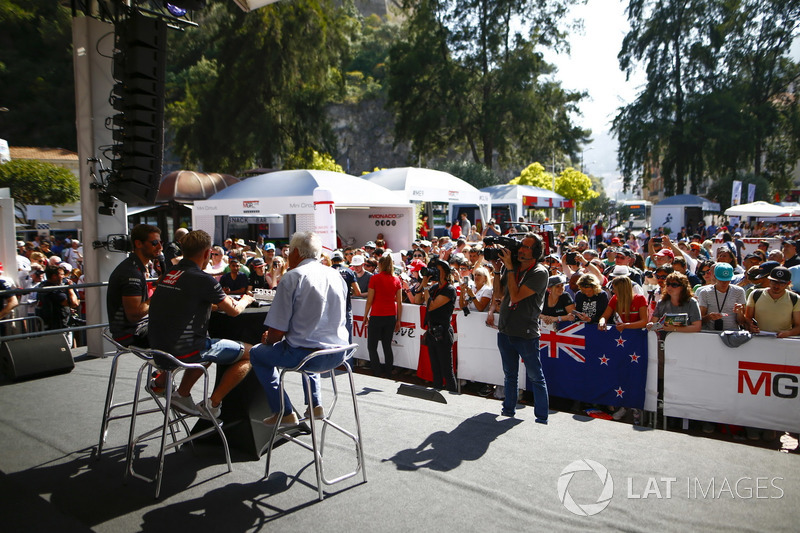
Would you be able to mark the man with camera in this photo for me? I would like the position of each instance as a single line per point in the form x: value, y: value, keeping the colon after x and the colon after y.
x: 520, y: 288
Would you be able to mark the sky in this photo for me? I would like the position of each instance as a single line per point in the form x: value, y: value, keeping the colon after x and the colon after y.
x: 592, y: 66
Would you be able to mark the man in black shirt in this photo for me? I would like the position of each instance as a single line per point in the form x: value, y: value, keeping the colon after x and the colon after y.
x: 352, y: 288
x: 127, y: 300
x: 179, y: 314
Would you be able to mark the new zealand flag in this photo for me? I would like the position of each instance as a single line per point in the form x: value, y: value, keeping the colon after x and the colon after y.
x: 604, y: 367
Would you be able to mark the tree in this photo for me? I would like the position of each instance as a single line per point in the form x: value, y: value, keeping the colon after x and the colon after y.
x: 535, y: 175
x: 258, y: 93
x: 310, y: 159
x: 36, y: 74
x: 575, y: 185
x: 721, y: 190
x: 597, y: 207
x: 468, y: 77
x: 473, y: 173
x: 39, y: 183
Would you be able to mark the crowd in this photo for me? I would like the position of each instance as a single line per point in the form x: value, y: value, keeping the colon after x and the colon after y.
x: 706, y: 279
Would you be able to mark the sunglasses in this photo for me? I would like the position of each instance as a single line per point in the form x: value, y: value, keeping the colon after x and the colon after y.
x: 674, y: 285
x: 661, y: 277
x: 276, y: 264
x: 464, y: 269
x: 215, y: 253
x: 418, y: 256
x: 703, y: 272
x: 155, y: 242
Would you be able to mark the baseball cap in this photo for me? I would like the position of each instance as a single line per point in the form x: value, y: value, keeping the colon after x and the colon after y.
x: 269, y: 246
x: 723, y: 272
x: 737, y: 234
x: 337, y: 255
x: 620, y: 271
x: 257, y: 262
x: 423, y: 243
x: 781, y: 274
x: 695, y: 245
x: 370, y: 244
x: 665, y: 252
x: 558, y: 279
x: 790, y: 242
x: 416, y: 265
x: 766, y: 269
x: 357, y: 260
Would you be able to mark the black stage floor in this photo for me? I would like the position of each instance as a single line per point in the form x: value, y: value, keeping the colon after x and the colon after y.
x: 455, y: 466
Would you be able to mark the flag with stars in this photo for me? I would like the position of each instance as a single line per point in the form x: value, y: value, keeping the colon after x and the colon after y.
x: 583, y: 363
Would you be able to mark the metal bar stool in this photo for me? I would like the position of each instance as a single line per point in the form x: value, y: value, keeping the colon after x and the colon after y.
x: 109, y: 405
x: 307, y: 368
x: 164, y: 362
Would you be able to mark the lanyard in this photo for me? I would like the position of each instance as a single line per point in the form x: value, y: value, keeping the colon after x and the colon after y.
x: 716, y: 297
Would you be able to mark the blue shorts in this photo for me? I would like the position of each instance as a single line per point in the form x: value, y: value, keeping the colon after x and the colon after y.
x: 222, y: 351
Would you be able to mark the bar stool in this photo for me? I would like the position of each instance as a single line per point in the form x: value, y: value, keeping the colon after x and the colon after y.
x: 164, y: 362
x: 109, y: 405
x: 307, y: 368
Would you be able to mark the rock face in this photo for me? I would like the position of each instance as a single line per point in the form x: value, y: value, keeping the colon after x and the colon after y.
x: 365, y: 137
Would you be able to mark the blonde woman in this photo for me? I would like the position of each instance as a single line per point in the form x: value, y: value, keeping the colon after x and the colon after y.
x: 591, y: 301
x: 630, y: 308
x: 479, y: 297
x: 217, y: 263
x: 277, y: 271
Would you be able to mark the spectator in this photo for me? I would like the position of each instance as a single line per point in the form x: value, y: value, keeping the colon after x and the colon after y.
x: 55, y: 307
x: 277, y: 271
x: 440, y: 299
x: 678, y: 299
x: 362, y: 276
x: 790, y: 254
x: 257, y: 278
x: 217, y: 263
x: 776, y: 309
x: 725, y: 255
x: 479, y: 297
x: 382, y: 315
x: 234, y: 282
x: 7, y: 303
x: 558, y: 305
x: 349, y: 277
x: 591, y: 301
x: 721, y: 304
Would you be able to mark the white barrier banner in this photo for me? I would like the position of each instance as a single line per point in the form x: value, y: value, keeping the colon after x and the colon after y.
x: 405, y: 344
x: 478, y: 355
x: 753, y: 385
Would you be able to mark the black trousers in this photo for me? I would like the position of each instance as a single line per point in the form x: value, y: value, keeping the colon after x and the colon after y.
x: 381, y: 330
x: 440, y: 352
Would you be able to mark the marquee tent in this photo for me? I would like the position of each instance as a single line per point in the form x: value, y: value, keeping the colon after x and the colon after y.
x: 363, y: 209
x: 758, y: 209
x: 428, y: 185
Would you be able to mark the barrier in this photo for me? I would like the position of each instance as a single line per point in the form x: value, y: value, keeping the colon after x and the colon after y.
x: 753, y: 385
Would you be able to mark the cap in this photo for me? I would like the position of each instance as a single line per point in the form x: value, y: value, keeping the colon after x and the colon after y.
x: 337, y: 255
x: 723, y: 272
x: 20, y: 244
x: 737, y: 234
x: 357, y: 260
x: 370, y: 244
x: 619, y: 271
x: 403, y: 252
x: 423, y: 243
x: 257, y: 261
x: 782, y: 274
x: 269, y: 246
x: 751, y: 256
x: 416, y: 265
x: 558, y: 279
x: 790, y: 242
x: 68, y: 267
x: 734, y: 339
x: 615, y: 240
x: 765, y: 269
x: 665, y: 252
x: 695, y: 245
x: 240, y: 242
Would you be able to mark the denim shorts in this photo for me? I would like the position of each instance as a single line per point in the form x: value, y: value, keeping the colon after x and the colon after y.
x: 222, y: 351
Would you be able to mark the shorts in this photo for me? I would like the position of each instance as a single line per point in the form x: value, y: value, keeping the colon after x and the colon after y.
x: 221, y: 352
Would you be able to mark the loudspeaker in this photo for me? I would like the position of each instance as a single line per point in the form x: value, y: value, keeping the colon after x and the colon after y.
x: 140, y: 70
x: 36, y: 357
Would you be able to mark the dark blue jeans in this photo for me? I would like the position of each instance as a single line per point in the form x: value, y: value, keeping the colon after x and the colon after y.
x: 511, y: 350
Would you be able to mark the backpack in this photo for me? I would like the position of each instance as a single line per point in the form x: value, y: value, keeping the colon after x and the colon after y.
x: 793, y: 296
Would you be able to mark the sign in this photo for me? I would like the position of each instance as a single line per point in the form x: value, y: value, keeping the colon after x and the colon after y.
x: 736, y: 193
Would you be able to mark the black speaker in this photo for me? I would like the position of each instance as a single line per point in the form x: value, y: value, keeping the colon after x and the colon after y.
x: 36, y: 357
x: 140, y: 70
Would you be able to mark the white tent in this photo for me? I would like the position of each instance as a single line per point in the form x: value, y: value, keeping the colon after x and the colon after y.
x: 428, y: 185
x: 363, y: 209
x: 757, y: 209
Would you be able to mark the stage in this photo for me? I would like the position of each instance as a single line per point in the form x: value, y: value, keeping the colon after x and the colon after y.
x: 455, y: 466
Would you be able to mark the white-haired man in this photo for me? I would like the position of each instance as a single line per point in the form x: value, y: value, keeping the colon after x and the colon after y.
x: 307, y: 314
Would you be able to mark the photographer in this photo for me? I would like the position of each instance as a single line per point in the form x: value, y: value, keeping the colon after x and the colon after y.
x: 441, y: 301
x: 520, y: 287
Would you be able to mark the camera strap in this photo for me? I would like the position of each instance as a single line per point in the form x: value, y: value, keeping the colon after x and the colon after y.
x: 522, y: 275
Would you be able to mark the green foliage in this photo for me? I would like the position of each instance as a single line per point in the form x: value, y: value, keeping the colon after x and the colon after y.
x: 473, y: 173
x: 596, y: 207
x: 721, y: 190
x: 367, y: 71
x: 310, y: 159
x: 468, y: 77
x: 36, y: 77
x: 712, y: 104
x: 252, y: 87
x: 575, y: 185
x: 535, y: 175
x: 39, y: 183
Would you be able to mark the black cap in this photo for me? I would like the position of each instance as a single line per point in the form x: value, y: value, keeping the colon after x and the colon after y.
x: 781, y: 274
x: 766, y: 268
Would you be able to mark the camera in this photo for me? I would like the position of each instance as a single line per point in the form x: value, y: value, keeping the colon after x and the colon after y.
x: 571, y: 258
x: 492, y: 254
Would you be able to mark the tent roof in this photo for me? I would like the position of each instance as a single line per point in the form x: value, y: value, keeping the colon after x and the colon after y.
x: 758, y: 209
x: 690, y: 199
x: 516, y: 192
x: 425, y: 184
x: 346, y: 189
x: 187, y: 186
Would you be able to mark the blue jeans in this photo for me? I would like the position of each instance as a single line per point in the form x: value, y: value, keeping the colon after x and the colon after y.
x: 267, y: 358
x: 511, y: 350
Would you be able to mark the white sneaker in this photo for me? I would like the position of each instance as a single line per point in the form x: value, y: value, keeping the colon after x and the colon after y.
x: 185, y: 405
x: 210, y: 411
x: 619, y: 413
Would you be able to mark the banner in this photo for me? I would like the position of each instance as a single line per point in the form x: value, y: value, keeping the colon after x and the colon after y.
x: 754, y: 385
x: 325, y: 218
x: 736, y: 193
x: 606, y: 367
x: 751, y: 193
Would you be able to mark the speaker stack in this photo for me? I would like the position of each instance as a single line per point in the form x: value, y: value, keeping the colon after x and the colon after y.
x: 35, y: 357
x: 138, y: 96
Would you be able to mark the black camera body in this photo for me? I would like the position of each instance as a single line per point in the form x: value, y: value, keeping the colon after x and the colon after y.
x: 492, y: 254
x: 571, y: 258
